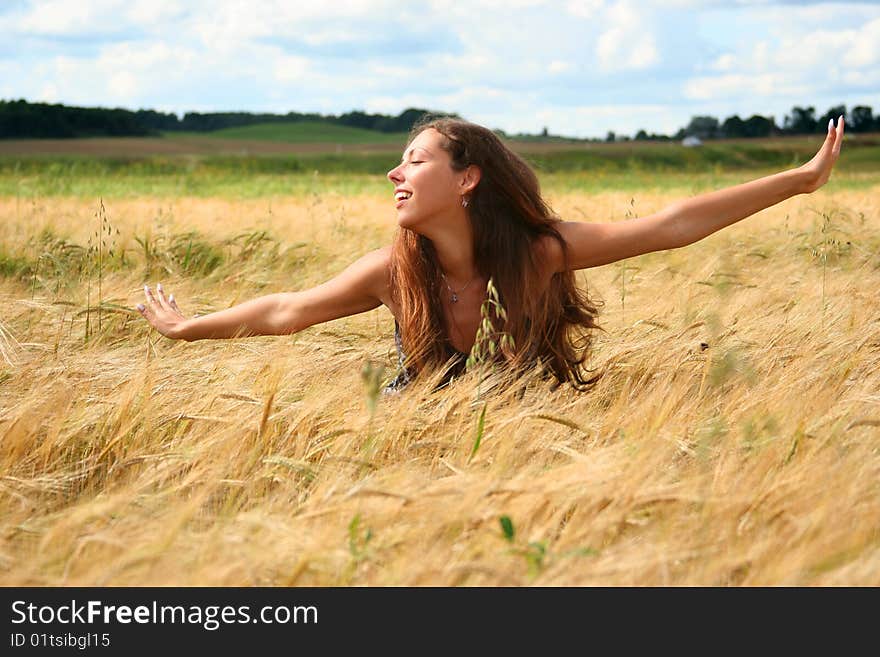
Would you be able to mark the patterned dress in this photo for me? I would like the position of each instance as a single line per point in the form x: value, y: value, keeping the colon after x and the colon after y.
x: 405, y: 376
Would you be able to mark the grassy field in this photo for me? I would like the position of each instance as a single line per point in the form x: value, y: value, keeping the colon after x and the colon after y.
x: 210, y: 167
x: 304, y: 132
x: 732, y: 441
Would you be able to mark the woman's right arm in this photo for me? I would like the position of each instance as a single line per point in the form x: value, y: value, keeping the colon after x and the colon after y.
x: 362, y: 286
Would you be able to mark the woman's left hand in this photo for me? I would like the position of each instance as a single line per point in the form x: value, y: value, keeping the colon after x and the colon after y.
x: 163, y: 314
x: 818, y: 170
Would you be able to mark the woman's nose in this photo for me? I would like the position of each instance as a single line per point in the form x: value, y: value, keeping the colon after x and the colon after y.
x: 393, y: 175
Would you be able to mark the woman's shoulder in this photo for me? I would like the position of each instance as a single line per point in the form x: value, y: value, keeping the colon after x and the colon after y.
x: 374, y: 263
x: 380, y: 266
x: 549, y: 252
x: 378, y: 259
x: 366, y: 277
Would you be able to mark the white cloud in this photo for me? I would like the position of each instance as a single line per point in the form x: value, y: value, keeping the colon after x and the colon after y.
x: 584, y: 8
x: 472, y: 58
x: 557, y: 66
x: 801, y: 63
x: 725, y: 62
x: 629, y: 43
x: 59, y: 17
x: 864, y: 49
x: 616, y: 51
x: 48, y: 93
x: 143, y: 12
x: 289, y: 68
x: 868, y: 79
x: 123, y: 85
x: 146, y: 57
x: 736, y: 85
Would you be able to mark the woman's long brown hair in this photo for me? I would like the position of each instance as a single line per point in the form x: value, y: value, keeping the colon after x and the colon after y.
x: 552, y: 325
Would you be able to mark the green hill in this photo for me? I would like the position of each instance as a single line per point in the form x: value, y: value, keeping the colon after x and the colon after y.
x: 303, y: 132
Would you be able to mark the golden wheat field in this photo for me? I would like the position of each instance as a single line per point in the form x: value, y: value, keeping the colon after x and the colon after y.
x: 734, y: 439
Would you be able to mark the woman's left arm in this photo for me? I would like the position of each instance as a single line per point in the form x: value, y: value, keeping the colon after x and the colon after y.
x: 695, y: 218
x: 690, y: 220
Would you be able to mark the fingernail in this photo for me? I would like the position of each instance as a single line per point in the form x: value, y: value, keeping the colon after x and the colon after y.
x: 830, y: 123
x: 170, y: 297
x: 147, y: 289
x: 140, y: 307
x: 159, y: 286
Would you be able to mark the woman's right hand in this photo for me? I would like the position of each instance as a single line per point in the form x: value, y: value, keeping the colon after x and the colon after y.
x: 162, y: 314
x: 818, y: 170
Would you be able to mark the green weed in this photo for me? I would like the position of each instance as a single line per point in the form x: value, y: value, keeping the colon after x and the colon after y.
x: 535, y: 553
x: 359, y: 538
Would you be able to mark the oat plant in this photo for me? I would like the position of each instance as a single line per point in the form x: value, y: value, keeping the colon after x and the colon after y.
x: 100, y: 247
x: 485, y: 349
x: 827, y: 243
x: 624, y: 268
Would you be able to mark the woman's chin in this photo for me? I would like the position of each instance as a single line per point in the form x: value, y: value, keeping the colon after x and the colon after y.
x: 405, y: 220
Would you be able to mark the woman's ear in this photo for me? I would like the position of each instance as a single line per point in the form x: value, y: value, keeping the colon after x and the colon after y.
x: 470, y: 177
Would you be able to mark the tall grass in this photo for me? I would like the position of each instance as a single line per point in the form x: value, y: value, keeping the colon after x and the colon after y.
x: 732, y: 440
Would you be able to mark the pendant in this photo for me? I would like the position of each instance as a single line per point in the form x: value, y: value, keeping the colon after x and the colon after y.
x: 454, y: 297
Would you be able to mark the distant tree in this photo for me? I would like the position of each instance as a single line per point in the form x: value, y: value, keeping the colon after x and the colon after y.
x: 733, y: 127
x: 157, y: 121
x: 610, y: 136
x: 861, y: 119
x: 704, y: 127
x: 19, y: 118
x: 404, y: 122
x: 641, y: 135
x: 545, y: 132
x: 197, y: 122
x: 408, y: 118
x: 294, y: 117
x: 759, y: 126
x: 755, y: 126
x: 357, y: 119
x: 801, y: 121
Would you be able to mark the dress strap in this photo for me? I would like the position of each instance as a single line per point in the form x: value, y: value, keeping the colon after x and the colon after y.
x: 403, y: 375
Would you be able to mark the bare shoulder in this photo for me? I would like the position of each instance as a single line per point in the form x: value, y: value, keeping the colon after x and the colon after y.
x: 375, y: 269
x: 549, y: 252
x: 377, y: 258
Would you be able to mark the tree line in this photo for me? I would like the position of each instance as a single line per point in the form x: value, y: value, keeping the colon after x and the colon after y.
x: 21, y: 119
x: 800, y: 121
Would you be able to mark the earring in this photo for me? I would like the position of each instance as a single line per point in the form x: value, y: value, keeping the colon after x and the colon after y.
x: 464, y: 202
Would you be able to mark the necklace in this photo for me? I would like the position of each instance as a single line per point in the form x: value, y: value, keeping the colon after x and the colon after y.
x: 454, y: 297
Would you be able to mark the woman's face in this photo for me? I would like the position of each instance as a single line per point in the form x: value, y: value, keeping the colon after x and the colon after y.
x: 426, y: 174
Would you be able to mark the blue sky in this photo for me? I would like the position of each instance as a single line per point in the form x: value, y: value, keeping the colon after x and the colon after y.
x: 579, y: 67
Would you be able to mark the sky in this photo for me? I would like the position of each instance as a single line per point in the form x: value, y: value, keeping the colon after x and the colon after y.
x: 578, y: 67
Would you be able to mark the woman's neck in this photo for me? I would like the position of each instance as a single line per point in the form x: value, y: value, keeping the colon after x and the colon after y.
x: 454, y: 245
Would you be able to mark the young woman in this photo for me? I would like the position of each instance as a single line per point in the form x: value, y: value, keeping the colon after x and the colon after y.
x: 470, y: 210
